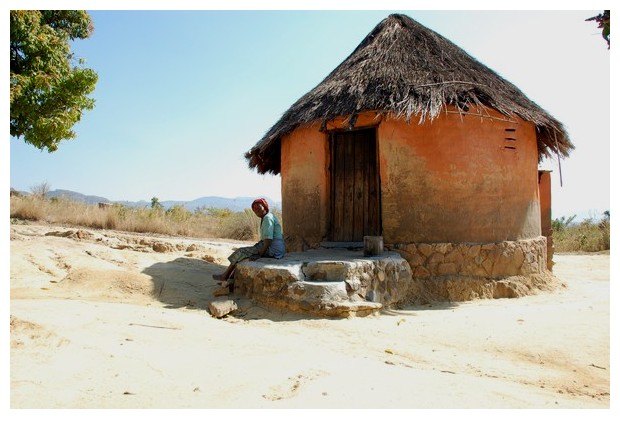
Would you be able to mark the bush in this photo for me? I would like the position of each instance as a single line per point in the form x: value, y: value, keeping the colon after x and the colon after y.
x: 27, y: 208
x: 240, y: 226
x: 587, y: 236
x: 562, y: 223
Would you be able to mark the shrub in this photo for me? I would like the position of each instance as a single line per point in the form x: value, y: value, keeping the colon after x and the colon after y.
x: 560, y: 224
x: 178, y: 214
x: 216, y: 212
x: 240, y: 226
x: 27, y: 208
x: 587, y: 236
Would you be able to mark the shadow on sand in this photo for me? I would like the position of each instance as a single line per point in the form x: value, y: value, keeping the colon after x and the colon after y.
x: 187, y: 283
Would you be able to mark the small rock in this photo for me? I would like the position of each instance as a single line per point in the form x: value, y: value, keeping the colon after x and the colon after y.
x: 222, y: 308
x: 161, y: 247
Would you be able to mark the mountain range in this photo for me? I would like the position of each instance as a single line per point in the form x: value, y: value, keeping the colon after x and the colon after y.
x: 234, y: 204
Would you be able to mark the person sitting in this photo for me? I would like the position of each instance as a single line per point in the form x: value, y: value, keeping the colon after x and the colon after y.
x: 270, y: 245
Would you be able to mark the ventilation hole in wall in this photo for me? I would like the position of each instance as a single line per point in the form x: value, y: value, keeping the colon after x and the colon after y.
x: 510, y: 147
x: 511, y: 130
x: 510, y: 139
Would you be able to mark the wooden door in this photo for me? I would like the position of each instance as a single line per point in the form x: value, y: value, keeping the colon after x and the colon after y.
x: 356, y: 209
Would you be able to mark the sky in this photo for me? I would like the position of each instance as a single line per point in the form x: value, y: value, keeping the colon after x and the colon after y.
x: 183, y: 94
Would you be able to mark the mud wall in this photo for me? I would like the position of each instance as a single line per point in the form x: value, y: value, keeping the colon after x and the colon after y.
x: 459, y: 179
x: 305, y: 191
x: 544, y: 189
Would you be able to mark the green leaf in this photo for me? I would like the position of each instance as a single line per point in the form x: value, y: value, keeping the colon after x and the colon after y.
x: 49, y: 88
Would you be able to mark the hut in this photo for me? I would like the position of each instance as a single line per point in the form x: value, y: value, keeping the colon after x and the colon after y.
x: 412, y: 139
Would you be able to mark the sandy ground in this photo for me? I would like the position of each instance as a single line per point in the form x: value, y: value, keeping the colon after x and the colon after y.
x: 100, y: 320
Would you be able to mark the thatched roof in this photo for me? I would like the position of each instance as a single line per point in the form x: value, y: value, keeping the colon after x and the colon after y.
x: 405, y: 70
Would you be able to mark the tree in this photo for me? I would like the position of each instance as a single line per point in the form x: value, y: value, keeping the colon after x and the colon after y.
x: 604, y: 21
x: 49, y: 86
x: 155, y: 204
x: 41, y: 190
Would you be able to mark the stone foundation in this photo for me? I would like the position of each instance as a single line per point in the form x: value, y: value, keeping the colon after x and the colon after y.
x: 465, y: 288
x: 493, y: 260
x: 335, y: 283
x: 467, y: 271
x: 343, y: 283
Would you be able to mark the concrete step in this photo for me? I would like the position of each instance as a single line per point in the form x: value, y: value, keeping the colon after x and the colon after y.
x: 313, y: 290
x: 326, y: 271
x: 330, y: 299
x: 326, y: 282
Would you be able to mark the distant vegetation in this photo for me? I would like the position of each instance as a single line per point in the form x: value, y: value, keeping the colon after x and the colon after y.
x: 588, y: 235
x: 209, y: 222
x: 202, y: 222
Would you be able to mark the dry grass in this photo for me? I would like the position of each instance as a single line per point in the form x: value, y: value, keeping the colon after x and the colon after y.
x: 586, y: 236
x: 178, y: 221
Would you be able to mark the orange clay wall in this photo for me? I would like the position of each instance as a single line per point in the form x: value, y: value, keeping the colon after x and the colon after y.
x: 305, y: 188
x: 544, y: 190
x: 459, y: 178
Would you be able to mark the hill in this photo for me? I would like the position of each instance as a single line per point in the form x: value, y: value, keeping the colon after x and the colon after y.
x: 235, y: 204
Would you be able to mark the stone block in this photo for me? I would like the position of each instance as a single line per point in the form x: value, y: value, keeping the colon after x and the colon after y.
x: 474, y: 251
x: 446, y: 268
x: 222, y: 308
x: 455, y: 257
x: 443, y: 248
x: 519, y: 257
x: 416, y: 260
x: 318, y: 292
x: 325, y: 271
x: 436, y: 258
x: 425, y: 249
x: 488, y: 266
x: 421, y: 272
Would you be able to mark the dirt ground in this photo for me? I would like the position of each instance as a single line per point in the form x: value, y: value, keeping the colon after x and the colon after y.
x: 111, y: 320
